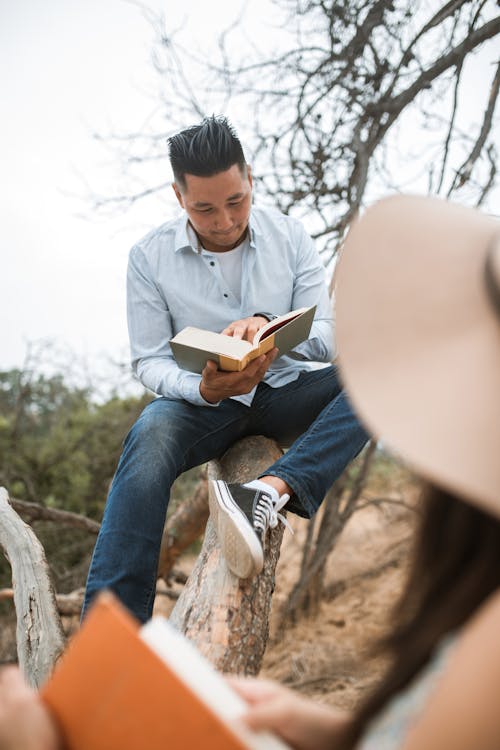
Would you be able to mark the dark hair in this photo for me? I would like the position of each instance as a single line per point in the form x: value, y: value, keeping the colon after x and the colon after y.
x: 205, y: 150
x: 455, y: 567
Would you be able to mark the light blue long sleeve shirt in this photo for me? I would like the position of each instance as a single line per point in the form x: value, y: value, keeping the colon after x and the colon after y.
x: 171, y: 284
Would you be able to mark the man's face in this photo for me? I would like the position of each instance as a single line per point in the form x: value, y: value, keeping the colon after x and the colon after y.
x: 218, y: 207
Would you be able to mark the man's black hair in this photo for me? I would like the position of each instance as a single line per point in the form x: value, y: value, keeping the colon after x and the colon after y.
x: 205, y: 150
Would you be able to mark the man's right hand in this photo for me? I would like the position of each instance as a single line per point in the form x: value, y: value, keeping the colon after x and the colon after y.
x: 216, y: 384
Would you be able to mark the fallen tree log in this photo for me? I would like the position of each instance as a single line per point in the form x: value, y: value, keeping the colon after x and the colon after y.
x: 40, y: 637
x: 225, y: 617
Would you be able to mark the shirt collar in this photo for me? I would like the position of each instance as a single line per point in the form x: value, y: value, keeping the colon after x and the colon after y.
x: 183, y: 242
x: 253, y: 229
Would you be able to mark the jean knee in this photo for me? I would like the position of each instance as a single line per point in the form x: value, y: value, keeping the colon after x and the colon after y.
x: 154, y: 436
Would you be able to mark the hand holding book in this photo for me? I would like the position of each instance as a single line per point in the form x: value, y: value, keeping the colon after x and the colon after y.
x: 217, y: 385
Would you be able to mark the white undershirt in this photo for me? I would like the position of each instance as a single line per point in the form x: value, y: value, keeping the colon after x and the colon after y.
x: 230, y: 266
x: 230, y: 261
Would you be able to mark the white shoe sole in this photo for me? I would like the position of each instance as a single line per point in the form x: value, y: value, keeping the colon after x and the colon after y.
x: 240, y: 546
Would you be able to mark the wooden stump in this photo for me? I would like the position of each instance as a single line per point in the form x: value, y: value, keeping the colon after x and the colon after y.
x: 40, y: 637
x: 228, y: 618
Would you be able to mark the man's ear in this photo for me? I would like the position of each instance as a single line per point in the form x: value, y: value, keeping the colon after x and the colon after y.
x: 249, y: 174
x: 178, y: 194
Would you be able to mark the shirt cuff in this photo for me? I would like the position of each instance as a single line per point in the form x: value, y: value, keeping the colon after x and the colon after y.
x: 191, y: 390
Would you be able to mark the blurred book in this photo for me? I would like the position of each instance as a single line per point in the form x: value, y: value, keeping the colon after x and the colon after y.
x: 120, y: 686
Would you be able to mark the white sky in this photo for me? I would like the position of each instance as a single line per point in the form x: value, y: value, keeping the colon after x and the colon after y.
x: 71, y: 67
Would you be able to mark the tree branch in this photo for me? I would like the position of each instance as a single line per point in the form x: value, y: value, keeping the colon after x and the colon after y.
x: 465, y: 171
x: 395, y: 105
x: 451, y: 126
x: 491, y: 154
x: 35, y: 512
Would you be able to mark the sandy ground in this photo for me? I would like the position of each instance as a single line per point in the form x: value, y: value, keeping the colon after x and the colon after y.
x: 327, y: 656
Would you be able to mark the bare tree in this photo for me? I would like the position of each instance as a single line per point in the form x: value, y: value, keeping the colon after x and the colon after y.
x: 324, y: 99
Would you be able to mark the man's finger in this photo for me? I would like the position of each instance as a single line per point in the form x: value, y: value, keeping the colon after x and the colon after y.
x: 239, y: 332
x: 251, y: 332
x: 271, y: 356
x: 265, y: 362
x: 210, y: 369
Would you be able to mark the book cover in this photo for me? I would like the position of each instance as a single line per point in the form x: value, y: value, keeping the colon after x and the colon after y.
x: 192, y: 347
x: 124, y: 687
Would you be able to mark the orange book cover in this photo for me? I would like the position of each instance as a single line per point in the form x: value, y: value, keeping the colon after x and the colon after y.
x: 112, y: 691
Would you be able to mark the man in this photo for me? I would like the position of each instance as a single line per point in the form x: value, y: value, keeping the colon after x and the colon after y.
x: 227, y: 266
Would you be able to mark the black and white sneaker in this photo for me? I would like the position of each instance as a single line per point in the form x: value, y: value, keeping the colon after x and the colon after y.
x: 241, y: 514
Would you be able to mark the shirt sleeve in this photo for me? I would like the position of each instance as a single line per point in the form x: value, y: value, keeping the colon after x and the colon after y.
x: 310, y: 288
x: 150, y: 330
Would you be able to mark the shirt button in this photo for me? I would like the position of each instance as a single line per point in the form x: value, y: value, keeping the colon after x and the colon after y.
x: 226, y: 295
x: 212, y: 263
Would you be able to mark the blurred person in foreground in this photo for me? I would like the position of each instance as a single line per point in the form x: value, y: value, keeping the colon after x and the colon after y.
x: 418, y: 325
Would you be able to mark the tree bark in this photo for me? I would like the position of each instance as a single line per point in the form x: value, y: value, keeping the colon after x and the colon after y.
x: 228, y: 618
x: 67, y: 604
x: 40, y: 637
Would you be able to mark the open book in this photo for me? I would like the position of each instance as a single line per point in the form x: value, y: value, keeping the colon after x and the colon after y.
x: 124, y: 687
x: 192, y: 347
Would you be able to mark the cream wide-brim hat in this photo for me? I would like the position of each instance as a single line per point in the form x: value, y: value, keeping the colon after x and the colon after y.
x: 419, y: 338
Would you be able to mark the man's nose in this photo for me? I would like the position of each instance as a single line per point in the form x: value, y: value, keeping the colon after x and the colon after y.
x: 223, y: 221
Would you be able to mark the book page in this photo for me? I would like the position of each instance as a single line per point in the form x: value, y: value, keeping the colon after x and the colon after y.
x: 277, y: 323
x: 215, y: 342
x: 182, y: 657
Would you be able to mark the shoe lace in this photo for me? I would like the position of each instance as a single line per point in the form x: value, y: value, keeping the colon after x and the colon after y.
x: 266, y: 513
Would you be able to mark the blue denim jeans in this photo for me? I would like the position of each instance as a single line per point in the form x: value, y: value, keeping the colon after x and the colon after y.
x: 311, y: 415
